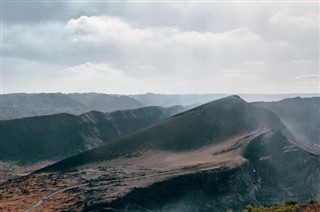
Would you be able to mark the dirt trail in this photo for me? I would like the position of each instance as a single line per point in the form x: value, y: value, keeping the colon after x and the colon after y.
x: 38, y: 203
x: 115, y: 182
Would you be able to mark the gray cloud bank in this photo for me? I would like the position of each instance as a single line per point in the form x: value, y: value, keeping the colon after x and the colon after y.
x: 160, y: 47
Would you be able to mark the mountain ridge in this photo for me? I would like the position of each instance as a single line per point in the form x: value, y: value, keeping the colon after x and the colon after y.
x: 224, y: 154
x: 60, y: 135
x: 22, y: 105
x: 301, y: 116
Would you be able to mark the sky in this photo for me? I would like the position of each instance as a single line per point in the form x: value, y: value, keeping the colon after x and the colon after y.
x: 160, y: 47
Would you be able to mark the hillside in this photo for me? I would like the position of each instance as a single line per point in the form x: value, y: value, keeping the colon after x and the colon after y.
x: 53, y: 137
x: 220, y: 155
x: 301, y: 116
x: 205, y: 125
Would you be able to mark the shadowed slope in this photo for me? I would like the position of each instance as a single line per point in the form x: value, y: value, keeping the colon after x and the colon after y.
x: 203, y: 126
x: 224, y: 154
x: 301, y: 116
x: 34, y: 139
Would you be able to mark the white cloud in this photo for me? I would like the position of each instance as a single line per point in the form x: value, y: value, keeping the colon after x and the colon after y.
x: 101, y: 28
x: 257, y: 62
x: 240, y: 36
x: 285, y: 17
x: 90, y: 68
x: 102, y: 77
x: 301, y: 61
x: 163, y: 48
x: 308, y: 76
x: 236, y: 73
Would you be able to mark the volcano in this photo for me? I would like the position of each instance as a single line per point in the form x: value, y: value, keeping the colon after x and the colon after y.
x: 220, y: 155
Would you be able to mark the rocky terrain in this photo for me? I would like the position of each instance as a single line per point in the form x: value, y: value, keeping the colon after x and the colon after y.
x: 222, y: 155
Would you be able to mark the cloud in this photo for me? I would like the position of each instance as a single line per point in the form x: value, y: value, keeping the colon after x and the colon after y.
x: 95, y: 76
x: 102, y: 28
x: 285, y: 17
x: 102, y: 77
x: 159, y: 47
x: 236, y: 73
x: 240, y: 36
x: 301, y: 61
x: 143, y: 71
x: 90, y: 68
x: 308, y: 76
x: 257, y: 62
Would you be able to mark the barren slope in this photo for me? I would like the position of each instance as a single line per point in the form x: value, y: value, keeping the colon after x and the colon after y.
x: 220, y: 155
x: 301, y: 116
x: 53, y: 137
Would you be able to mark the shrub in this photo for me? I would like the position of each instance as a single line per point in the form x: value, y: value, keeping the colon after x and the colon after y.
x: 249, y: 208
x: 312, y: 201
x: 290, y: 202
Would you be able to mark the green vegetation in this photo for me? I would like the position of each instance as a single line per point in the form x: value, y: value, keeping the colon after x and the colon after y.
x: 289, y: 206
x: 312, y: 202
x: 290, y: 202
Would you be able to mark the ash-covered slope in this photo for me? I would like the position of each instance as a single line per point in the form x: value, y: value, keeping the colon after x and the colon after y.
x: 220, y: 155
x: 224, y: 154
x: 201, y: 127
x: 54, y: 137
x: 301, y: 116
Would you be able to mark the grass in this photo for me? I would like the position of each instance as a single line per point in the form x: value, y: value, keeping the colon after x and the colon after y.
x: 290, y: 206
x: 275, y: 208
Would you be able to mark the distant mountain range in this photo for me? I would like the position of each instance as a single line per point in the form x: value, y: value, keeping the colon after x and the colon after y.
x: 105, y: 102
x: 223, y: 154
x: 166, y: 100
x: 21, y: 105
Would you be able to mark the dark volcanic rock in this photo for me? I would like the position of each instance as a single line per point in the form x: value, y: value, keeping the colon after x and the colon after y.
x: 224, y: 154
